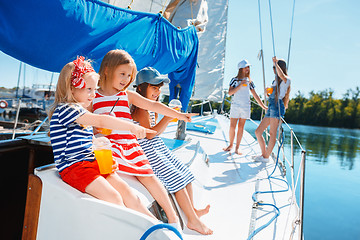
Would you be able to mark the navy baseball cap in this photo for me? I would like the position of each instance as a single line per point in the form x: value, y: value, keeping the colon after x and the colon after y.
x: 150, y: 75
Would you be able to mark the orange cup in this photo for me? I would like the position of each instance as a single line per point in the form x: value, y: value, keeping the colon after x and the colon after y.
x: 175, y: 104
x: 105, y: 160
x: 105, y: 131
x: 175, y: 119
x: 103, y: 154
x: 269, y: 90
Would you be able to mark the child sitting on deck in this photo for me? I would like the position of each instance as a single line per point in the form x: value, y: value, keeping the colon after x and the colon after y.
x: 168, y: 168
x: 72, y: 135
x: 117, y: 72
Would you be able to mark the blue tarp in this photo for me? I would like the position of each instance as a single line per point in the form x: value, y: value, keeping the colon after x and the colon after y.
x: 49, y: 33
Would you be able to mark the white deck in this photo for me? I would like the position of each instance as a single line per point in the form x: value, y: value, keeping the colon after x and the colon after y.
x: 227, y: 184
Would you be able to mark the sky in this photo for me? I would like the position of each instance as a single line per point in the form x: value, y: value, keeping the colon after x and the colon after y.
x: 325, y: 47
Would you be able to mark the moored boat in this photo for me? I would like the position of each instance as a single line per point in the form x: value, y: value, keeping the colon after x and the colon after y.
x: 230, y: 183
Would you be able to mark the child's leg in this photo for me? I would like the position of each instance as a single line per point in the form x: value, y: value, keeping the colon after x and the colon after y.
x: 199, y: 212
x: 129, y: 197
x: 158, y: 191
x: 259, y: 131
x: 233, y: 122
x: 102, y: 189
x: 194, y: 221
x: 274, y: 122
x: 239, y: 135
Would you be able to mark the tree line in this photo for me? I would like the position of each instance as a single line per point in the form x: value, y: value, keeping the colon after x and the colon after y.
x: 319, y: 109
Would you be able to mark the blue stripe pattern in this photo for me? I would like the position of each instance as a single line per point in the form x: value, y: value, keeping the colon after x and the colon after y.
x: 71, y: 142
x: 171, y: 171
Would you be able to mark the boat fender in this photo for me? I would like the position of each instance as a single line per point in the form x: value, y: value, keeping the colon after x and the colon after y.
x: 3, y: 104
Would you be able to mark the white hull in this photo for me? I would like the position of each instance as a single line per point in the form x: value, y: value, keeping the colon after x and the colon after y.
x: 226, y: 183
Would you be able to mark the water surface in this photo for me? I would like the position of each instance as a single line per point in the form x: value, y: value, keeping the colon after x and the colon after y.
x: 332, y: 180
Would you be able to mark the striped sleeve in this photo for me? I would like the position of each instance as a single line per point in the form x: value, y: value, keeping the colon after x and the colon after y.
x: 233, y: 82
x: 69, y: 113
x: 252, y: 85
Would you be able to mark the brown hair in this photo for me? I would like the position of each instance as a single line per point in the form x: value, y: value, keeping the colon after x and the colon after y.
x: 282, y: 65
x: 142, y: 90
x: 109, y: 63
x: 241, y: 73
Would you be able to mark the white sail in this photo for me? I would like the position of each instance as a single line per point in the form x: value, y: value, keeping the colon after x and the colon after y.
x: 210, y: 18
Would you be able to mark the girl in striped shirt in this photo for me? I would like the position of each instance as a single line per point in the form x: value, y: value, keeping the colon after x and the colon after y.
x: 117, y: 72
x: 168, y: 168
x: 71, y: 137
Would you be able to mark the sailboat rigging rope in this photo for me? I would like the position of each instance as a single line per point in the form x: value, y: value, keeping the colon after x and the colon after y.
x: 261, y: 55
x: 163, y: 8
x: 129, y: 6
x: 272, y: 28
x: 291, y: 29
x: 254, y: 196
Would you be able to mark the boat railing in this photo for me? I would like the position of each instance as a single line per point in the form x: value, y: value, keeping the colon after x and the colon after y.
x: 282, y: 166
x: 201, y: 104
x: 301, y: 171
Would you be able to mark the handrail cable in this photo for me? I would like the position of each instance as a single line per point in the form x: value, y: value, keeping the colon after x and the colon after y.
x: 293, y: 199
x: 293, y: 186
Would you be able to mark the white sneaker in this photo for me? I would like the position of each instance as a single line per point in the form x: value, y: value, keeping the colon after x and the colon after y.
x: 261, y: 159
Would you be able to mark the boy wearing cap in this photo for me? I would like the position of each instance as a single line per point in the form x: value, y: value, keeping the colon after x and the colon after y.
x: 240, y: 103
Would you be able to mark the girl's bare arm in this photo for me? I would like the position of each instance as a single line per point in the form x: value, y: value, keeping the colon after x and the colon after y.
x: 107, y: 121
x: 258, y: 100
x: 143, y: 118
x: 144, y: 103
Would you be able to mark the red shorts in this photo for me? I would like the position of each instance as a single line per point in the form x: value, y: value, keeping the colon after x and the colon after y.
x: 81, y: 174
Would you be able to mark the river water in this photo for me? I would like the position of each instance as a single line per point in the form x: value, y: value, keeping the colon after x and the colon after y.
x: 332, y: 179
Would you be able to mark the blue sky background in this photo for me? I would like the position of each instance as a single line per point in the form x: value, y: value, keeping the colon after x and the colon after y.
x: 325, y: 50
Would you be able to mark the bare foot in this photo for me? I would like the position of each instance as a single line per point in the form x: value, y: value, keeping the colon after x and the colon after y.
x: 227, y: 149
x: 199, y: 226
x: 202, y: 212
x: 238, y: 152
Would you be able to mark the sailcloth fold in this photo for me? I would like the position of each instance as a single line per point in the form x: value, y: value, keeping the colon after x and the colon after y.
x: 48, y: 34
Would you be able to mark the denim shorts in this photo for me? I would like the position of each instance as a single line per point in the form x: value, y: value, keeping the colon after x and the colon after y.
x: 273, y: 109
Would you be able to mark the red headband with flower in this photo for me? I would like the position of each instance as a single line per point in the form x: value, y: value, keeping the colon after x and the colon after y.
x: 81, y: 68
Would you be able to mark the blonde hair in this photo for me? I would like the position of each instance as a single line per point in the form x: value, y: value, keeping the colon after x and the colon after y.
x: 113, y: 59
x: 63, y: 93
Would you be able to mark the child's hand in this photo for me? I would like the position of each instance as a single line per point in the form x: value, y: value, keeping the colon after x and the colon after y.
x: 265, y: 108
x: 115, y: 166
x: 140, y: 132
x: 187, y: 116
x: 274, y: 60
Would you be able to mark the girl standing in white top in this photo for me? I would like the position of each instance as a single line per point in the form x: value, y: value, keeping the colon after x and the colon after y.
x: 278, y: 102
x: 240, y: 104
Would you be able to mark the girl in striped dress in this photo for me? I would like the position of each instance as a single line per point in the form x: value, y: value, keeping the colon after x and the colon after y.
x: 117, y: 72
x: 168, y: 168
x: 71, y: 135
